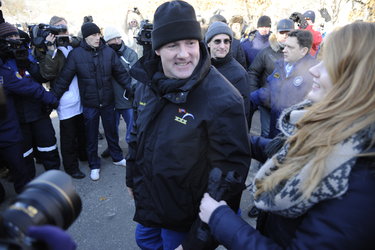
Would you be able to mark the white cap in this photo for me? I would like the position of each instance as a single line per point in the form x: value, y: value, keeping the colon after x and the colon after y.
x: 111, y: 32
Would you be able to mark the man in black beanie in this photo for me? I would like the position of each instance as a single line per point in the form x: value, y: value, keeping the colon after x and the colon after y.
x: 257, y: 40
x: 188, y: 120
x: 94, y: 63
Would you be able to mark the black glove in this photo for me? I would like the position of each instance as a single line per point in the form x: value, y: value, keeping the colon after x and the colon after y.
x: 48, y: 108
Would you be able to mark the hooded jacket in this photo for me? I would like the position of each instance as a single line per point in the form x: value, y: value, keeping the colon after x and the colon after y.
x: 94, y: 68
x: 178, y: 136
x: 264, y: 63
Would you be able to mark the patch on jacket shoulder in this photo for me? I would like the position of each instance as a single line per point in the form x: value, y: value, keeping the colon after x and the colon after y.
x: 276, y: 75
x: 17, y: 74
x: 297, y: 81
x: 142, y: 103
x: 182, y: 119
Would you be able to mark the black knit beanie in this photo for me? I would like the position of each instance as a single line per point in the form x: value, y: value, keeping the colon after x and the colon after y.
x: 264, y: 21
x: 174, y: 21
x: 6, y: 29
x: 89, y: 29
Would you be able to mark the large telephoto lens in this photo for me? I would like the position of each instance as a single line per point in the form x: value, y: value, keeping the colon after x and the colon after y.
x: 49, y: 199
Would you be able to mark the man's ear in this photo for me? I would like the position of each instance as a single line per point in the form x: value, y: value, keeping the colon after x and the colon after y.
x: 305, y: 50
x: 157, y: 52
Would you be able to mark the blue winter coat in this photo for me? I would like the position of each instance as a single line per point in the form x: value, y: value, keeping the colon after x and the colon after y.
x: 253, y: 45
x: 28, y: 108
x: 13, y: 83
x: 346, y: 222
x: 283, y: 91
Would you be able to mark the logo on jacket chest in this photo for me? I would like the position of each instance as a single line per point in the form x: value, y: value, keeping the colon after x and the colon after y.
x: 183, y: 116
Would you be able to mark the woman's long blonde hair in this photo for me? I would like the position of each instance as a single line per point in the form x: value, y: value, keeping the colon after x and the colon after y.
x: 349, y: 57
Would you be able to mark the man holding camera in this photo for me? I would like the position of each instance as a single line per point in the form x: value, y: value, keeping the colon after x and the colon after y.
x: 95, y: 64
x: 72, y: 132
x: 317, y: 36
x: 188, y: 120
x: 33, y: 115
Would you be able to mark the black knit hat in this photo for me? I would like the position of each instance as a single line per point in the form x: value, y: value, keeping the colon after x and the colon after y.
x: 174, y: 21
x: 6, y: 29
x: 89, y: 29
x: 264, y: 21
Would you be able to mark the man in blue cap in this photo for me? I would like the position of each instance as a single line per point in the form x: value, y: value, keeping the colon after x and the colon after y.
x: 317, y: 36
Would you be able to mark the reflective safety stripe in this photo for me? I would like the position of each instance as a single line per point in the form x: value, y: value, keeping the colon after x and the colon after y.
x: 27, y: 153
x: 47, y: 149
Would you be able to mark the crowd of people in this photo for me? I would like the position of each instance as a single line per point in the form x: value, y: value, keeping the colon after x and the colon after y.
x: 188, y: 102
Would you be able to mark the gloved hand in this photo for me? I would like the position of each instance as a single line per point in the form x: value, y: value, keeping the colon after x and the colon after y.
x: 48, y: 108
x: 53, y: 236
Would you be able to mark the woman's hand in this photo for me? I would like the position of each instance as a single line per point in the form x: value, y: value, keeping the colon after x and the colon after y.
x: 208, y: 206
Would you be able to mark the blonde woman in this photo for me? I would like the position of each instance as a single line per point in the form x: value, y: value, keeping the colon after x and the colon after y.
x: 317, y: 192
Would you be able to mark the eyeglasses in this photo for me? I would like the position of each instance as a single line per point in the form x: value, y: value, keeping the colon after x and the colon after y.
x: 225, y: 41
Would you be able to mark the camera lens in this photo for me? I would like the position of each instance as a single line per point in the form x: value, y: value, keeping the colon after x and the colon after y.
x: 49, y: 199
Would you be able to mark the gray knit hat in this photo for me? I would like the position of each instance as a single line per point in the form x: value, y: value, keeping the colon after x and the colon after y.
x: 217, y: 28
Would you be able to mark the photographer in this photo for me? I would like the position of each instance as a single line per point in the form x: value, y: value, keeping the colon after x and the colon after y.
x: 306, y: 22
x: 33, y: 115
x: 317, y: 36
x: 132, y: 23
x: 72, y: 131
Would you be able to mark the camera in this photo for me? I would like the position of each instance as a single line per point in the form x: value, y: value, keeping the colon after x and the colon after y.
x: 14, y: 48
x: 144, y: 35
x: 299, y: 19
x: 40, y: 31
x: 48, y: 199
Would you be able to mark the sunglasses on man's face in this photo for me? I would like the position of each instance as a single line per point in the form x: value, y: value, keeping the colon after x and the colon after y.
x: 225, y: 41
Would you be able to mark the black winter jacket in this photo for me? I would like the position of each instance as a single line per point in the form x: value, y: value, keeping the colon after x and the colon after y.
x: 264, y: 64
x: 236, y: 75
x: 178, y: 137
x: 94, y: 68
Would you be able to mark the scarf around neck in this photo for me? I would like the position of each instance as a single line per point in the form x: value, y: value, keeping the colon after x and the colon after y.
x: 286, y: 198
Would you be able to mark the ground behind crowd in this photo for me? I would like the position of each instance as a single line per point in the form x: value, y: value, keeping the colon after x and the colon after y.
x: 106, y: 221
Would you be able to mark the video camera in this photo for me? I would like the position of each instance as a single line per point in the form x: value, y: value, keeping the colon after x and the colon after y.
x: 48, y: 199
x: 299, y: 19
x: 13, y: 48
x: 40, y: 31
x: 144, y: 35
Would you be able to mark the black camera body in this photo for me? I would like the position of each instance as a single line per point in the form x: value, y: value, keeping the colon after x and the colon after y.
x: 50, y: 199
x: 299, y: 19
x: 40, y: 31
x: 14, y: 48
x: 144, y: 35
